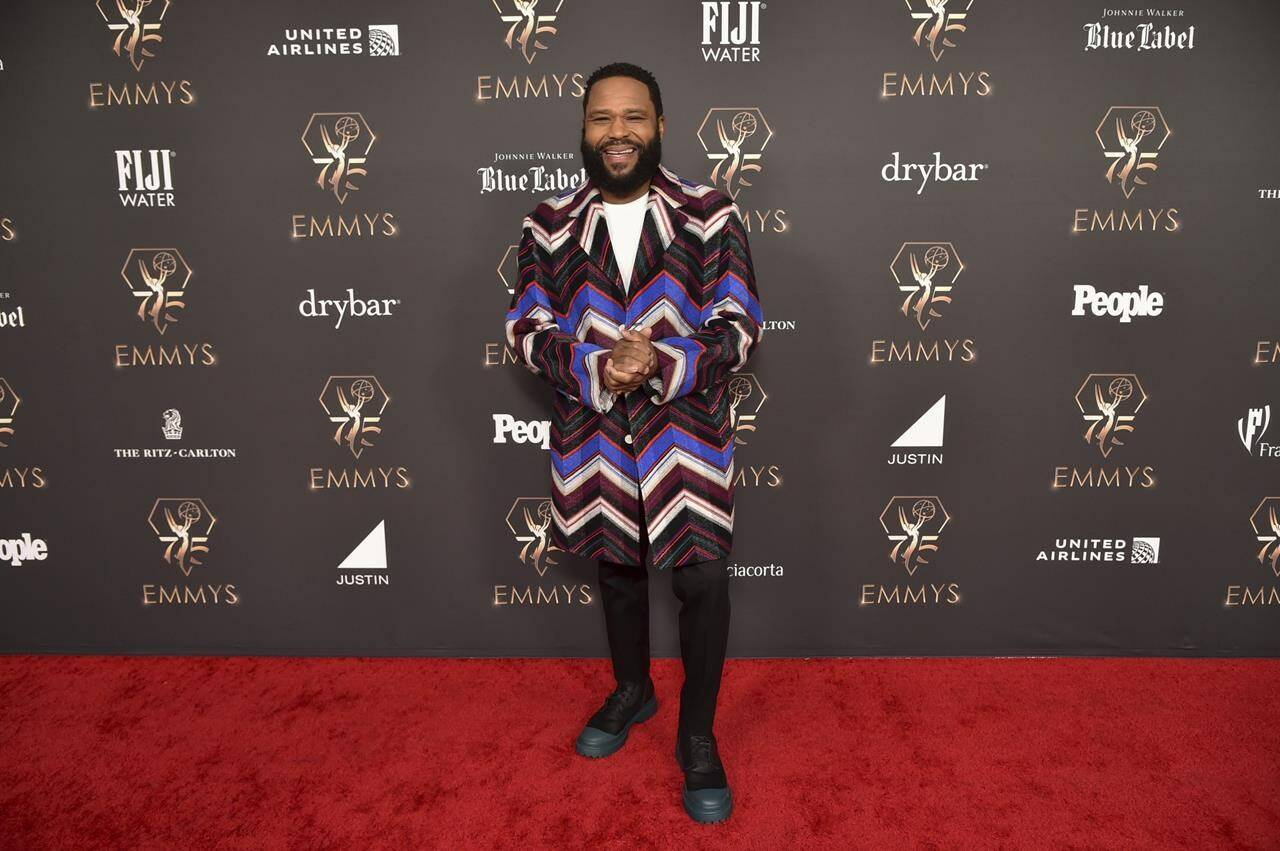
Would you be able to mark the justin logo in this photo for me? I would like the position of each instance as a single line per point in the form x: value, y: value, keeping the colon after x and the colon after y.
x: 936, y: 23
x: 338, y: 142
x: 741, y: 135
x: 1266, y: 527
x: 1109, y: 404
x: 136, y: 24
x: 9, y: 402
x: 183, y: 524
x: 530, y: 522
x: 356, y: 403
x: 913, y: 524
x: 916, y: 269
x: 158, y: 279
x: 1131, y: 138
x: 526, y: 27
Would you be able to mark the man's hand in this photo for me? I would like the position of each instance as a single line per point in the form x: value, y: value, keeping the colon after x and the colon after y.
x: 632, y: 362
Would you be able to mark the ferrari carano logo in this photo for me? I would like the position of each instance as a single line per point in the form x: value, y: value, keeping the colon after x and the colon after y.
x: 1131, y: 137
x: 925, y: 272
x: 338, y: 142
x: 913, y: 524
x: 734, y: 139
x: 526, y: 26
x: 1266, y: 526
x: 9, y: 402
x: 183, y: 524
x: 1109, y: 403
x: 158, y: 279
x: 937, y: 23
x: 530, y: 522
x: 355, y: 403
x: 136, y: 24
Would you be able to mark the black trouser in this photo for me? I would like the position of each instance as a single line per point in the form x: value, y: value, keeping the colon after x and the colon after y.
x: 703, y: 591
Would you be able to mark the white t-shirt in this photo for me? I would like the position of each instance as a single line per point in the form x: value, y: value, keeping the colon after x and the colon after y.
x: 626, y: 221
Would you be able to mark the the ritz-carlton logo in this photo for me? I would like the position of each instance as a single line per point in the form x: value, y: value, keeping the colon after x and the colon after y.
x: 136, y: 24
x: 158, y: 279
x: 528, y: 26
x: 734, y: 139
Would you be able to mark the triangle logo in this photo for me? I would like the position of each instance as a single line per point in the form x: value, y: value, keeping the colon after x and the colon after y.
x: 371, y: 553
x: 926, y: 431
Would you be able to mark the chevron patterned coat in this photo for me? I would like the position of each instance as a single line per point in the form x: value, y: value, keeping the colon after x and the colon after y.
x: 665, y: 449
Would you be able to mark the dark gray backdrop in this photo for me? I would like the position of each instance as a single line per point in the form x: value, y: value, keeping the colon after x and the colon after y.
x: 823, y: 436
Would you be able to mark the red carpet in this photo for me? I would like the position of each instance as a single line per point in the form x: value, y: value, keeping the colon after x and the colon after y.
x: 262, y: 752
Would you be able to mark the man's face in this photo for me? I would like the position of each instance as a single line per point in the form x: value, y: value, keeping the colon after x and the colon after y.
x: 621, y: 136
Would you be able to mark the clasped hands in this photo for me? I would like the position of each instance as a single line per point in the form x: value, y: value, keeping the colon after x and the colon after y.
x: 632, y: 362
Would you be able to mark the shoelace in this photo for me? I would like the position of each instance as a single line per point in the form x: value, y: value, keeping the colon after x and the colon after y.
x: 702, y: 749
x: 622, y: 696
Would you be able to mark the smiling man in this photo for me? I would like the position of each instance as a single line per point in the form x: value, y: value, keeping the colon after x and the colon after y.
x: 637, y: 302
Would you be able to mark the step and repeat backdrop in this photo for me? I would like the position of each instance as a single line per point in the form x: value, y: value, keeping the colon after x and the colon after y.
x: 1014, y: 395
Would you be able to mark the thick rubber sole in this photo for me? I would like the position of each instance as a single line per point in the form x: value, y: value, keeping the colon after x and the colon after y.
x: 597, y: 744
x: 706, y: 806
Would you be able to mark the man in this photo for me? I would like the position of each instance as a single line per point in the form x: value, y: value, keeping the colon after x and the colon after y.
x: 637, y: 302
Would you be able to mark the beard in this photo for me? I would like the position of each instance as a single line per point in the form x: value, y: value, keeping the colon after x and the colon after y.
x: 647, y: 159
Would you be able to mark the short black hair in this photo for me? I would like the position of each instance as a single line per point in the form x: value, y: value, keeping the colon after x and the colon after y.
x: 624, y: 69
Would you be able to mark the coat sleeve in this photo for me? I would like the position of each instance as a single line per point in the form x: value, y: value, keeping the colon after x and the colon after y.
x: 569, y: 365
x: 694, y: 362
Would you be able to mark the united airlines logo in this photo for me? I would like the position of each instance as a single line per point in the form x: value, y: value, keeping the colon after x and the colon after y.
x: 158, y: 279
x: 936, y: 24
x: 355, y: 405
x: 136, y: 24
x: 1131, y: 138
x: 338, y: 142
x: 528, y: 27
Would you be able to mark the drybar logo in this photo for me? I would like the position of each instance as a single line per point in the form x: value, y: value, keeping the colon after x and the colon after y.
x: 529, y: 29
x: 355, y: 406
x: 913, y: 526
x: 530, y: 522
x: 184, y: 526
x: 157, y: 279
x: 896, y: 171
x: 136, y: 27
x: 1109, y: 404
x: 144, y: 178
x: 1131, y: 139
x: 1265, y: 521
x: 925, y: 275
x: 936, y: 26
x: 339, y: 145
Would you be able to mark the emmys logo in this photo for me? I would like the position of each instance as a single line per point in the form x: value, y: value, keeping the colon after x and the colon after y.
x: 9, y: 403
x: 145, y: 178
x: 537, y: 432
x: 187, y: 524
x: 15, y: 477
x: 158, y: 279
x: 526, y: 28
x: 172, y: 428
x: 183, y: 525
x: 1109, y: 403
x: 369, y: 555
x: 935, y: 27
x: 738, y: 26
x: 382, y: 40
x: 913, y: 524
x: 339, y: 143
x: 741, y: 135
x: 925, y: 273
x: 355, y: 405
x: 530, y: 521
x: 744, y: 388
x: 1252, y: 428
x: 1118, y: 550
x: 925, y: 433
x: 1131, y: 137
x: 1265, y: 521
x: 17, y: 550
x: 136, y: 24
x: 7, y: 231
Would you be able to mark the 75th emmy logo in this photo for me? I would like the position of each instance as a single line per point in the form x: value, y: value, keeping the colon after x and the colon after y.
x: 356, y: 404
x: 1109, y: 403
x: 937, y: 23
x: 530, y: 522
x: 183, y: 524
x: 926, y: 272
x: 338, y: 142
x: 914, y: 524
x: 9, y: 402
x: 1266, y: 527
x: 740, y: 140
x: 136, y: 24
x: 158, y: 278
x: 1131, y: 137
x: 526, y: 25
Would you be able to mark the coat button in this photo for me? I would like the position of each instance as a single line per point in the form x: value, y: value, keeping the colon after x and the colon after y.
x: 627, y: 438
